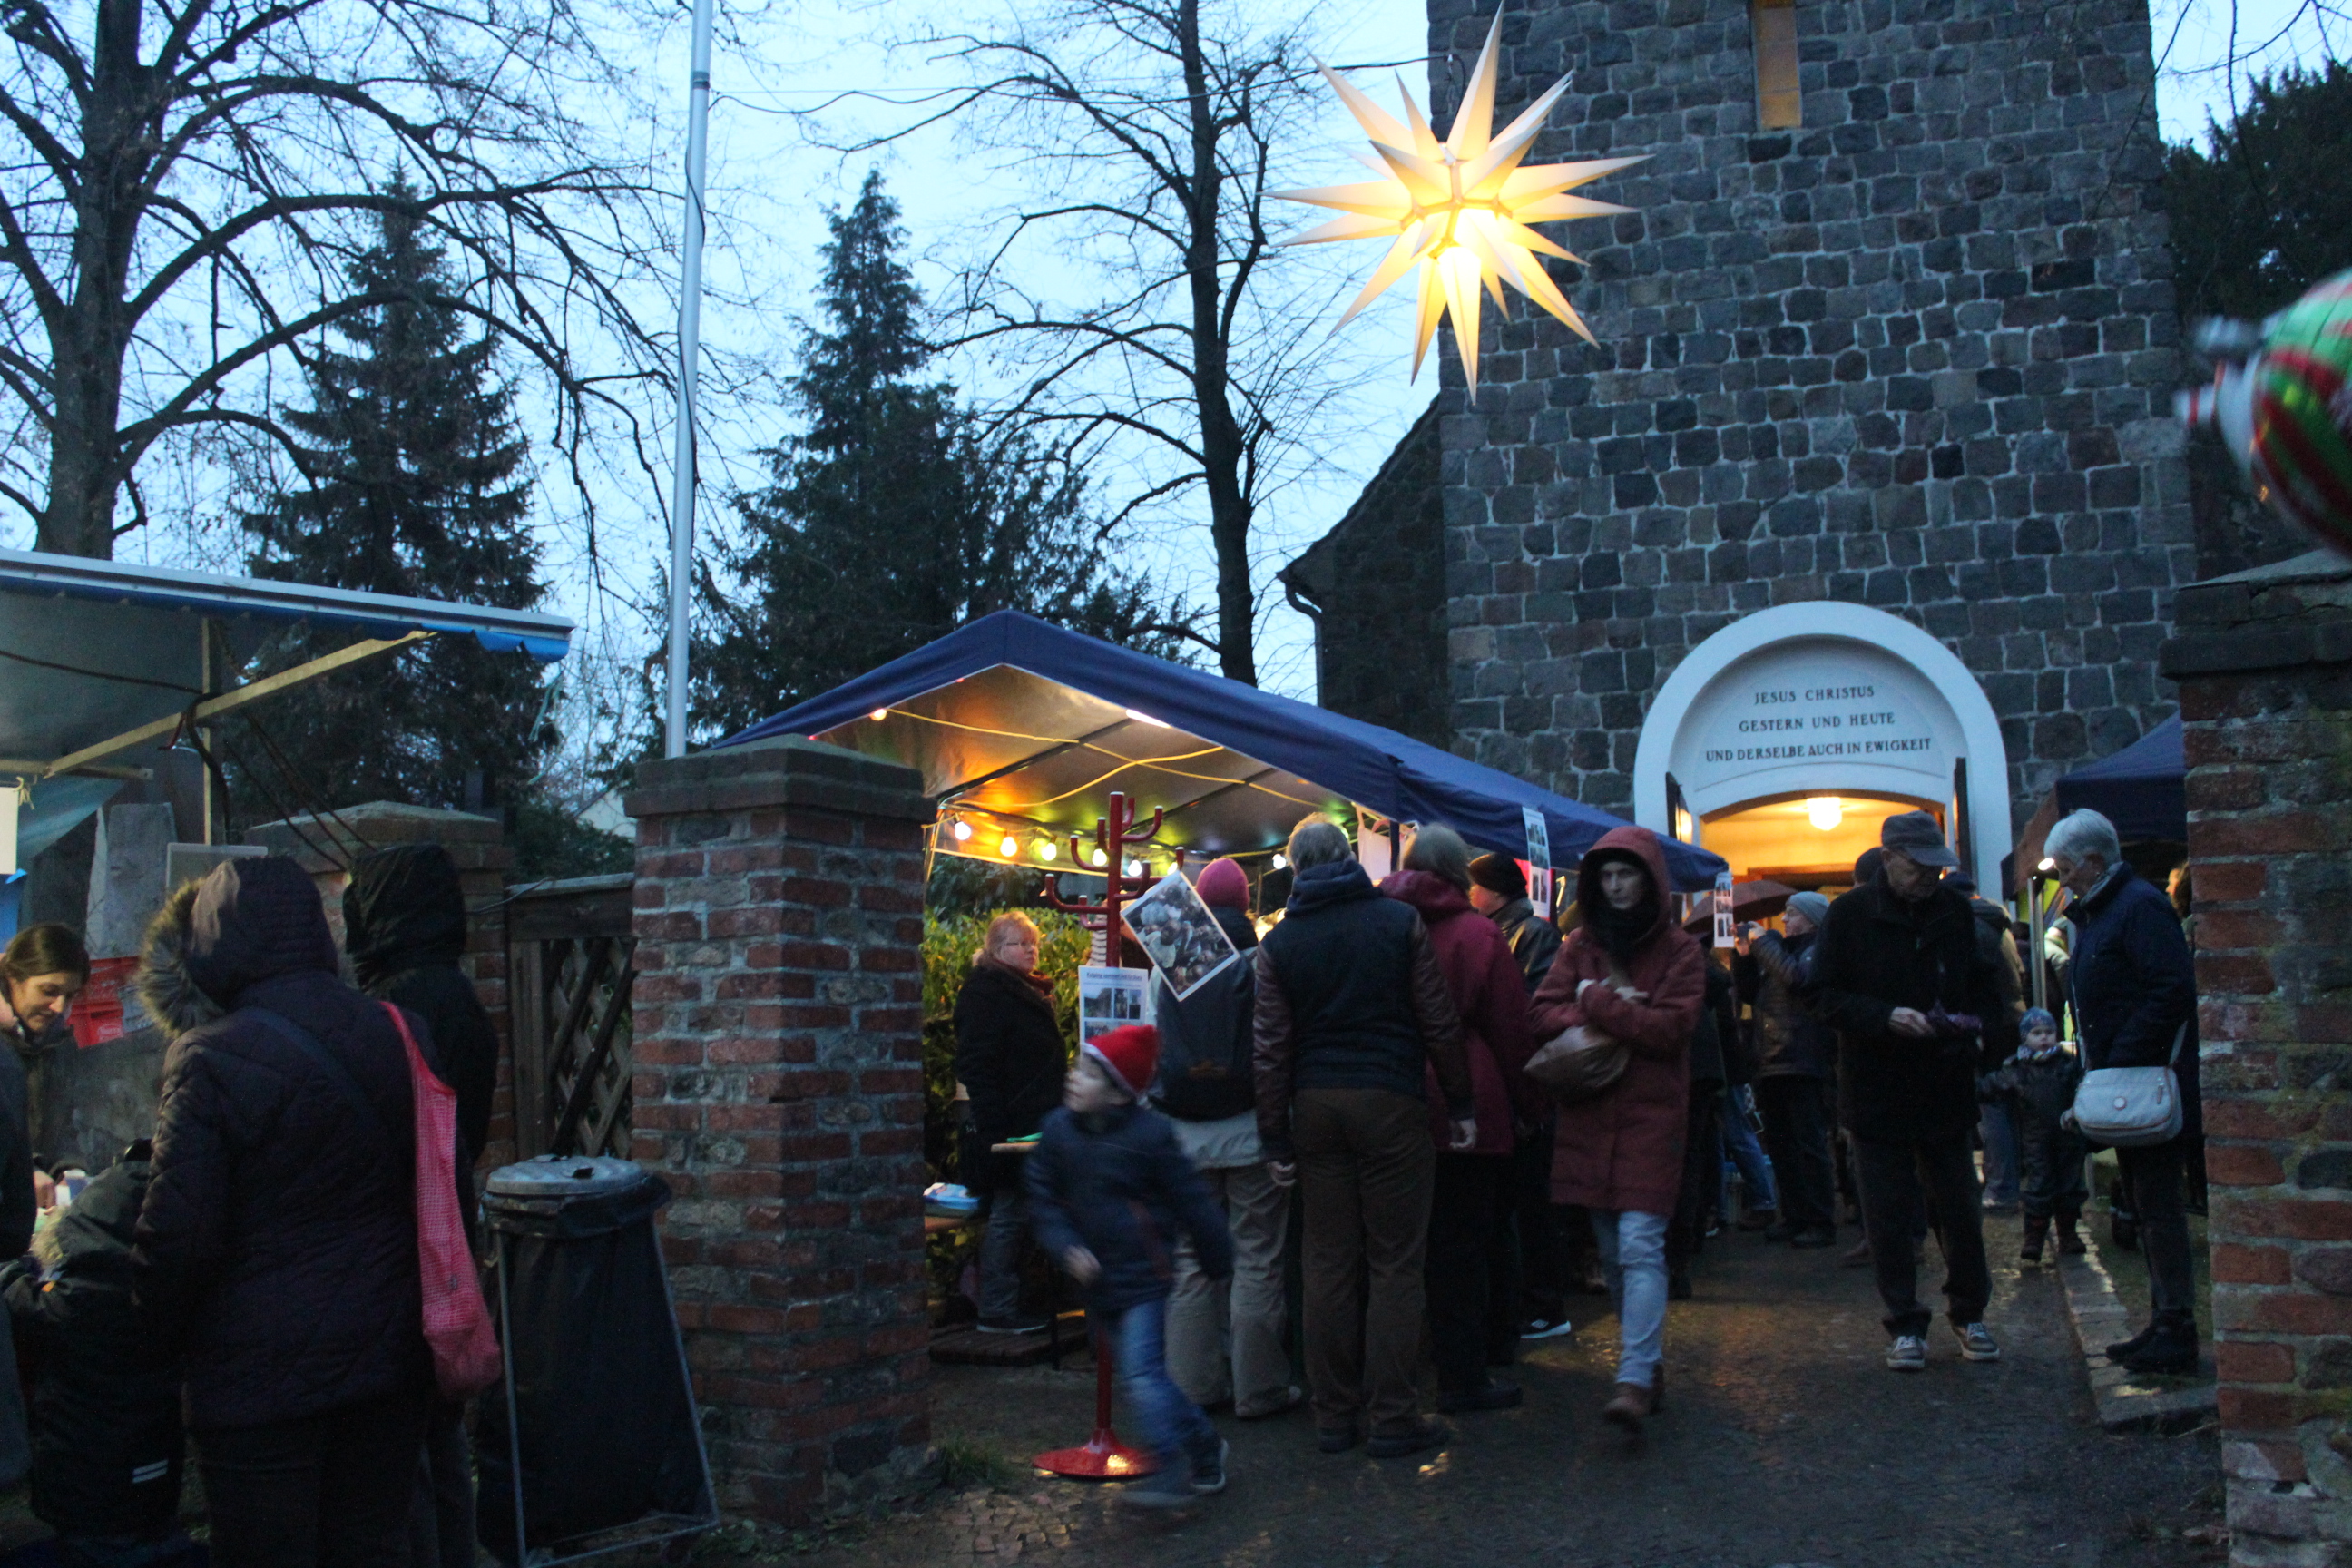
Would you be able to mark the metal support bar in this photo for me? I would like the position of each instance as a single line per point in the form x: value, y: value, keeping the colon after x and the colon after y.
x: 228, y: 702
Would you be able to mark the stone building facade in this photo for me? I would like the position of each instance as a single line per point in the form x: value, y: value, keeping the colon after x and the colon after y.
x: 1916, y: 354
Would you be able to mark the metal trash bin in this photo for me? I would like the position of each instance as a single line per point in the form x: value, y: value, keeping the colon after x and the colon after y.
x: 593, y: 1444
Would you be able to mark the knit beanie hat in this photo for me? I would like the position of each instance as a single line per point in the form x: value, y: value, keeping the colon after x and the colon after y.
x: 1224, y: 885
x: 2036, y: 1019
x: 1813, y: 906
x: 1130, y: 1053
x: 1499, y: 874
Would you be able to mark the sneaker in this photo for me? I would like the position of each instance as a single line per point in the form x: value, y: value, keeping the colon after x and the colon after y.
x: 1015, y: 1325
x: 1270, y: 1404
x: 1907, y: 1354
x: 1492, y: 1396
x: 1209, y: 1472
x: 1977, y: 1342
x: 1546, y: 1328
x: 1423, y: 1434
x: 1169, y: 1486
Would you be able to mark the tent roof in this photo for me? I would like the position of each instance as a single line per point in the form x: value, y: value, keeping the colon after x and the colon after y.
x: 1026, y: 728
x: 2142, y: 789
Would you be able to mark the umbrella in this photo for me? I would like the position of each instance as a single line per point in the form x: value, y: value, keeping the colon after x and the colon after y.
x: 1749, y: 902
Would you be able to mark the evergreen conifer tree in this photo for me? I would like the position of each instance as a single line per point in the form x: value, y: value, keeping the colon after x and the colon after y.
x: 415, y: 483
x: 894, y: 518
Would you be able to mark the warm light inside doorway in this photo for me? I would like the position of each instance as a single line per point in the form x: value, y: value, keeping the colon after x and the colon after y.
x: 1804, y: 840
x: 1825, y: 812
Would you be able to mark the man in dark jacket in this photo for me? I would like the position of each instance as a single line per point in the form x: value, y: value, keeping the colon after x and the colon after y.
x: 276, y: 1250
x: 2134, y: 986
x: 405, y: 929
x: 1499, y: 889
x: 1793, y: 1057
x: 1901, y: 976
x: 1352, y: 1010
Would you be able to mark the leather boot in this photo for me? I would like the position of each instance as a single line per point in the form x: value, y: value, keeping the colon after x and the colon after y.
x: 2171, y: 1348
x: 2070, y: 1240
x: 2122, y: 1348
x: 2037, y: 1231
x: 1633, y: 1404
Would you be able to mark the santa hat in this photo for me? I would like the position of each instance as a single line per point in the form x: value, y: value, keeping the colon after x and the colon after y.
x: 1130, y: 1053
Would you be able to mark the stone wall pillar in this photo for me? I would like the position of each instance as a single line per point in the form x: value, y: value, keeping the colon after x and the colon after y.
x: 779, y: 1089
x: 323, y: 845
x: 2264, y: 663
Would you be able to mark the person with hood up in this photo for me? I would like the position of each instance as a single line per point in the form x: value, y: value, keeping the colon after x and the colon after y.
x: 1353, y: 1011
x: 108, y: 1450
x: 1010, y: 1058
x: 1631, y: 973
x: 1470, y: 1201
x: 1901, y: 974
x: 405, y: 929
x: 276, y: 1249
x: 1225, y: 1336
x: 1794, y: 1058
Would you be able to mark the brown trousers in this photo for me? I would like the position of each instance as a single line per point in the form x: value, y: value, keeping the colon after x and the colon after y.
x: 1366, y: 1166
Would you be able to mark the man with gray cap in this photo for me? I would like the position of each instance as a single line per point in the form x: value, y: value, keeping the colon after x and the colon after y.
x: 1793, y: 1059
x: 1899, y: 974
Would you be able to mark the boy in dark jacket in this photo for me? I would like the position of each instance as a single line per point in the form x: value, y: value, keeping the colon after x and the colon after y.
x: 1108, y: 1190
x: 2039, y: 1083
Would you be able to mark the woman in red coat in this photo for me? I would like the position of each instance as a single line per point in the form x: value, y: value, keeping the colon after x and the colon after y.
x: 1471, y: 1198
x: 1629, y: 972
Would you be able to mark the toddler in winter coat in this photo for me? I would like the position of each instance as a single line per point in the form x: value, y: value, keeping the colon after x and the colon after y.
x: 1109, y: 1188
x: 2039, y: 1085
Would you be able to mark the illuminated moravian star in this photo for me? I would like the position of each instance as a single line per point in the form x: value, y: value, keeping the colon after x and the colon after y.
x: 1457, y: 210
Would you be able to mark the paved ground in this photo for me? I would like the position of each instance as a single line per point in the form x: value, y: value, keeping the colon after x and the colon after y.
x: 1786, y: 1442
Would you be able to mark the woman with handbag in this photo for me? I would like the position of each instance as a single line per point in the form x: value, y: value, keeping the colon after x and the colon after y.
x: 1617, y: 1010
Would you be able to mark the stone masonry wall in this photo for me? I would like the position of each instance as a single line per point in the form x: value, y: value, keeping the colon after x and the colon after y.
x: 2264, y: 663
x: 779, y: 1090
x: 1918, y: 354
x: 324, y: 845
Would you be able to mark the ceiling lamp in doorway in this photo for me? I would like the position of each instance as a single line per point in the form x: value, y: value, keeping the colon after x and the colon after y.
x: 1457, y: 210
x: 1824, y: 812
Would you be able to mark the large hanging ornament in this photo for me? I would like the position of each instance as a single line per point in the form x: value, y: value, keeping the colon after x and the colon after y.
x: 2282, y: 398
x: 1458, y: 210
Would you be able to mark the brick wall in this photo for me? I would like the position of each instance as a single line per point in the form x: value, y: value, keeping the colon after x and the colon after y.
x: 1917, y: 354
x: 779, y: 1090
x: 2264, y: 663
x: 323, y: 845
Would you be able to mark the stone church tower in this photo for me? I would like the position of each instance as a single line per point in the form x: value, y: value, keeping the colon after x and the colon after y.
x: 1887, y: 355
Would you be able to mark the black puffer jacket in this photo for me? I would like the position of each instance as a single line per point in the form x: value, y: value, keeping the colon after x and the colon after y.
x: 1010, y: 1056
x: 107, y: 1450
x: 405, y: 928
x: 277, y: 1248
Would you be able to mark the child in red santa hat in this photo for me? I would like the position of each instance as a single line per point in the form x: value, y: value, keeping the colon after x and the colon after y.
x: 1110, y: 1189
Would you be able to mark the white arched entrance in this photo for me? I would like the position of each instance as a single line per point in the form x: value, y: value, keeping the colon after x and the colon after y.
x: 1825, y: 699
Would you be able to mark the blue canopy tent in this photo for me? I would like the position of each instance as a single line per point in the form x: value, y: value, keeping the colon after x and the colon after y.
x: 1021, y: 731
x: 2142, y: 789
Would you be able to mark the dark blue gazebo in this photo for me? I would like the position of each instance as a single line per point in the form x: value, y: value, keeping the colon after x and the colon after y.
x: 2141, y: 789
x: 1022, y: 730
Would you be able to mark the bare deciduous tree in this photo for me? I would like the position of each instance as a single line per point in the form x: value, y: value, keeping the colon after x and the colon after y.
x: 1152, y: 135
x: 188, y: 179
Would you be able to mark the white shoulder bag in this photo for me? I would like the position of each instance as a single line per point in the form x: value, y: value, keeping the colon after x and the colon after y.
x: 2131, y: 1108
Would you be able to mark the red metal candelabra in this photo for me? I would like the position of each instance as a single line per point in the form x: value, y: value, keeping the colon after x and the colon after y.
x: 1104, y: 1457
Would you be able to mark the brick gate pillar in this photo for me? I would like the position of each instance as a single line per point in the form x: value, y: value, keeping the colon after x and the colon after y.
x: 779, y: 1089
x: 2264, y: 663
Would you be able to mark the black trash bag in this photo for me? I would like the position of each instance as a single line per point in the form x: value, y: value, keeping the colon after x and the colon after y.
x: 601, y: 1395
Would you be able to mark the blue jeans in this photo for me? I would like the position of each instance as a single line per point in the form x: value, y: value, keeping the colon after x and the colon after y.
x: 1172, y: 1426
x: 1743, y: 1150
x: 1998, y: 1127
x: 1633, y: 1257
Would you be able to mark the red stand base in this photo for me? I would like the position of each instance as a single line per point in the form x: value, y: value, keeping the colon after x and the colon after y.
x: 1104, y: 1457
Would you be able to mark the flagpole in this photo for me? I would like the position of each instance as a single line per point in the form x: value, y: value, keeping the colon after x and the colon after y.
x: 690, y: 350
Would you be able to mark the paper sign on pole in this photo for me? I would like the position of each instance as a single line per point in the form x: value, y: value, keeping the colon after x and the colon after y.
x: 1538, y: 833
x: 1723, y: 934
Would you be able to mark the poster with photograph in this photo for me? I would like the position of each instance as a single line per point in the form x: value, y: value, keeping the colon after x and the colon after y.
x: 1178, y: 934
x: 1109, y: 998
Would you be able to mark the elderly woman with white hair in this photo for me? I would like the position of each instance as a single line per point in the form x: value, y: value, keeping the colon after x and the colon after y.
x: 2134, y: 989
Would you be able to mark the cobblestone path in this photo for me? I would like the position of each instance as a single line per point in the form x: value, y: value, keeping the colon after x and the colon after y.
x: 1786, y: 1442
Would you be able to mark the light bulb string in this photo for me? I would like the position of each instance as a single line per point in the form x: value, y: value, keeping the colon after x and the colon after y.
x: 1125, y: 761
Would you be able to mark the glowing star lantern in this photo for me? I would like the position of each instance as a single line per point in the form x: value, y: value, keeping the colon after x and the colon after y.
x: 2282, y: 398
x: 1458, y: 210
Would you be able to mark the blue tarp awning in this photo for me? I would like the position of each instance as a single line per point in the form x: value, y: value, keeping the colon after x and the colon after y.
x: 1022, y: 730
x: 2141, y: 789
